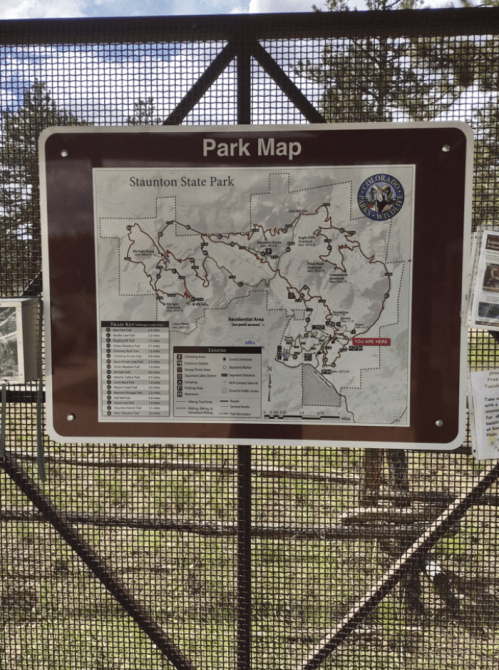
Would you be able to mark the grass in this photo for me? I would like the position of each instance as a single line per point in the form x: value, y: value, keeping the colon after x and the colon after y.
x: 55, y: 614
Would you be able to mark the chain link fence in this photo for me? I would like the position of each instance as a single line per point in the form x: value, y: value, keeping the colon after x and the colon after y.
x: 139, y: 556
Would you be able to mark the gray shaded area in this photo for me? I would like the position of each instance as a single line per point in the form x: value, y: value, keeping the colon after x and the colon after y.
x: 318, y: 391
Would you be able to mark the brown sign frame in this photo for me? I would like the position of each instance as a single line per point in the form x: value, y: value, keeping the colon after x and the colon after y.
x: 442, y: 156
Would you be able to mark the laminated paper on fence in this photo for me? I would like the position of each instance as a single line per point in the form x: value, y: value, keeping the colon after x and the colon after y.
x: 229, y: 557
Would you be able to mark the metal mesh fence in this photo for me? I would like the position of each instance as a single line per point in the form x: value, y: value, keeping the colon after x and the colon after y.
x: 150, y: 557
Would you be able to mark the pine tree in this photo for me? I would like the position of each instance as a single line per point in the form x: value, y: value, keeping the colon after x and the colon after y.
x: 486, y: 165
x: 381, y: 78
x: 144, y: 113
x: 19, y: 179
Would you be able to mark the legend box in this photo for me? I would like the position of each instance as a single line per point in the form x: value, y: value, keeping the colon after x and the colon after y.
x: 218, y: 382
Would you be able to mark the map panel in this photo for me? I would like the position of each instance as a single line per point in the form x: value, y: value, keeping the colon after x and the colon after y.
x: 255, y: 294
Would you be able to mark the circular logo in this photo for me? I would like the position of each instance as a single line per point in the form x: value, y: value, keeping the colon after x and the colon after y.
x: 380, y: 197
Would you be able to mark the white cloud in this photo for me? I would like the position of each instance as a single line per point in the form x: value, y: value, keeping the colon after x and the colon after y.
x: 265, y: 6
x: 40, y: 9
x: 44, y: 9
x: 7, y: 98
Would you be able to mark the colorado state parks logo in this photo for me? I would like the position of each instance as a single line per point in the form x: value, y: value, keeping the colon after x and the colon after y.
x: 380, y: 197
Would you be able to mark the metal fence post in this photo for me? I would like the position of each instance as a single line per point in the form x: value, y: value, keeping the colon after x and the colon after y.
x: 244, y: 557
x: 243, y: 451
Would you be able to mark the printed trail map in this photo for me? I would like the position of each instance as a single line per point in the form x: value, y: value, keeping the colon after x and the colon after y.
x: 255, y: 294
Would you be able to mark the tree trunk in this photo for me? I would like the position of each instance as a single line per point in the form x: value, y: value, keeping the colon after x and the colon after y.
x: 371, y: 476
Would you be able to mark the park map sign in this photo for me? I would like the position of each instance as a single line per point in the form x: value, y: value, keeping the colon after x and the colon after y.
x: 269, y: 285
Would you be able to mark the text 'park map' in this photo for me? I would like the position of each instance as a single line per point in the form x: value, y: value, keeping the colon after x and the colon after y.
x: 254, y: 294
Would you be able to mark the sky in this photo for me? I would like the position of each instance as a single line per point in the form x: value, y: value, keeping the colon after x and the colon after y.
x: 56, y: 68
x: 39, y: 9
x: 45, y: 9
x: 114, y: 80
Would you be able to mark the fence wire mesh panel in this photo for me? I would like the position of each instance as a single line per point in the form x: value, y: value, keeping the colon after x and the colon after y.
x: 216, y: 557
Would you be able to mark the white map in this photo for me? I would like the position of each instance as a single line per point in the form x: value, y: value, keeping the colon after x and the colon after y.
x: 280, y: 259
